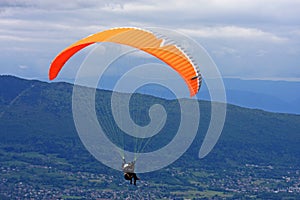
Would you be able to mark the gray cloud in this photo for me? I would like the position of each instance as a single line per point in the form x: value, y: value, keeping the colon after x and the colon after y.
x: 246, y: 38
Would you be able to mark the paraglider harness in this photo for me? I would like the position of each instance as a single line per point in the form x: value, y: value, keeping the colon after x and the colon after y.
x: 128, y: 169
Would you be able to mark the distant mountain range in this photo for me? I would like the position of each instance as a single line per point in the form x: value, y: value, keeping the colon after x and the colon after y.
x: 268, y: 95
x: 274, y: 96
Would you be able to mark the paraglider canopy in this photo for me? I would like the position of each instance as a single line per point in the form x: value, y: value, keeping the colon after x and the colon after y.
x: 141, y: 39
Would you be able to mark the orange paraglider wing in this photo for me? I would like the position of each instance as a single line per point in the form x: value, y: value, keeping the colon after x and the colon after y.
x: 140, y: 39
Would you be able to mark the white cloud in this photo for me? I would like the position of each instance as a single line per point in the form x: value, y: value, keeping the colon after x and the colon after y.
x: 233, y: 32
x: 261, y: 52
x: 23, y: 66
x: 225, y: 51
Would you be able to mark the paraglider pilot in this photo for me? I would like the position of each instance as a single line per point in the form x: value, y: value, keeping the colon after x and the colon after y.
x: 128, y: 169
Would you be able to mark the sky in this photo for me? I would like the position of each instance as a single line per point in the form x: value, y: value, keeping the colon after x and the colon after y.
x: 247, y: 39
